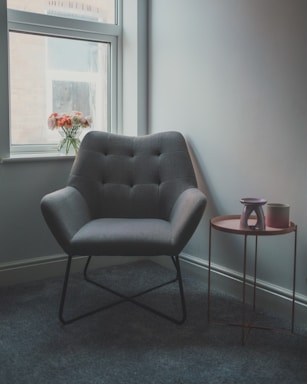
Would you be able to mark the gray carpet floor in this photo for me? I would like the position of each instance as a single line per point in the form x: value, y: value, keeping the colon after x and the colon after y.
x: 126, y: 344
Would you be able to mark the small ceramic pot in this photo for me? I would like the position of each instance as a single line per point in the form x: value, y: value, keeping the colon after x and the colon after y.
x: 277, y: 215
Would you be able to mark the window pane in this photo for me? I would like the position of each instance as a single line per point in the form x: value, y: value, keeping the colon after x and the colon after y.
x: 91, y: 10
x: 49, y: 74
x: 68, y: 96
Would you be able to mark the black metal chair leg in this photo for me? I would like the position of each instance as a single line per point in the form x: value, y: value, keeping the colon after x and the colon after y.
x: 124, y: 298
x: 89, y: 258
x: 182, y: 298
x: 176, y: 261
x: 64, y: 290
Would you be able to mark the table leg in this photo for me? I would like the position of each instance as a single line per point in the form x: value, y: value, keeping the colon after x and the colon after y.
x: 244, y: 290
x: 209, y: 271
x: 294, y: 279
x: 255, y: 271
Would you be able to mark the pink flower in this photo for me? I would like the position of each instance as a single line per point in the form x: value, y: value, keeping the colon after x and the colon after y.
x: 88, y: 120
x: 52, y: 121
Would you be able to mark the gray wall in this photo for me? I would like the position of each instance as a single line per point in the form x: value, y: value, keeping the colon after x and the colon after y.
x: 231, y: 75
x: 23, y: 232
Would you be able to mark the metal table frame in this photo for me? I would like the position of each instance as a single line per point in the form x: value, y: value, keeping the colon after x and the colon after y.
x: 231, y: 224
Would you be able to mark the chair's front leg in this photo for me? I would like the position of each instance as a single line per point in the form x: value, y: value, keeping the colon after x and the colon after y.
x: 86, y: 267
x: 179, y: 278
x: 64, y: 290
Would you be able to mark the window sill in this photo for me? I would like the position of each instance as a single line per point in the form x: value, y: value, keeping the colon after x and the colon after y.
x: 29, y: 157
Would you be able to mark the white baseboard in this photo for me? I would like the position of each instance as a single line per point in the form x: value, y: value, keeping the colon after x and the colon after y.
x: 269, y: 297
x: 22, y: 271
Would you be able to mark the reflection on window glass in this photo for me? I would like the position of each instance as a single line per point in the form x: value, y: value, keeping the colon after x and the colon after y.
x: 91, y: 10
x: 72, y: 56
x: 49, y: 74
x: 69, y: 96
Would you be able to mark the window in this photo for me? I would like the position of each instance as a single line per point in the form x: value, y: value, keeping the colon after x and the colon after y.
x: 62, y: 58
x: 50, y: 74
x: 103, y: 11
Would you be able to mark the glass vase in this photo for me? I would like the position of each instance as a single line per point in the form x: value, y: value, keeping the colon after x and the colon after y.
x: 70, y: 143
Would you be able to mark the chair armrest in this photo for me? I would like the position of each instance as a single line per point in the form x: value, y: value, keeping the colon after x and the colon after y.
x: 65, y: 212
x: 186, y: 215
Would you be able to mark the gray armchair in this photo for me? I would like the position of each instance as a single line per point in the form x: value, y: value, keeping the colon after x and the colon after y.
x: 126, y: 196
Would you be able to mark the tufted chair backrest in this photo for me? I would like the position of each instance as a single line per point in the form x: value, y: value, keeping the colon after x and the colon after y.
x: 132, y: 177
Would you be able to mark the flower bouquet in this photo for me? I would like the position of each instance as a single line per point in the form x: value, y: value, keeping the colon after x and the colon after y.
x: 70, y: 127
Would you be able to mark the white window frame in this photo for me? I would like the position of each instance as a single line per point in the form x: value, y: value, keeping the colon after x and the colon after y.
x: 46, y: 25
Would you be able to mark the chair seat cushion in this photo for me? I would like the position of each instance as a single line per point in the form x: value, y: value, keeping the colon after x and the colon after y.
x: 122, y: 236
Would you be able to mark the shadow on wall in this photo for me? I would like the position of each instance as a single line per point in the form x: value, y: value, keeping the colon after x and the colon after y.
x: 211, y: 209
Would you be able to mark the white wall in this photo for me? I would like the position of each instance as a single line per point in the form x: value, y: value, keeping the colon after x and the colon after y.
x: 231, y: 75
x: 134, y: 121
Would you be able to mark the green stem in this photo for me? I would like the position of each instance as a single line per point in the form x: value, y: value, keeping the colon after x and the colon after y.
x: 70, y: 139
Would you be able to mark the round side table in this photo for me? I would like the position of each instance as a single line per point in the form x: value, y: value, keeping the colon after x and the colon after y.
x: 231, y: 224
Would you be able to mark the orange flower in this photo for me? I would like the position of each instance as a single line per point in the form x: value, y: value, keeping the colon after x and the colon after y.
x: 76, y: 119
